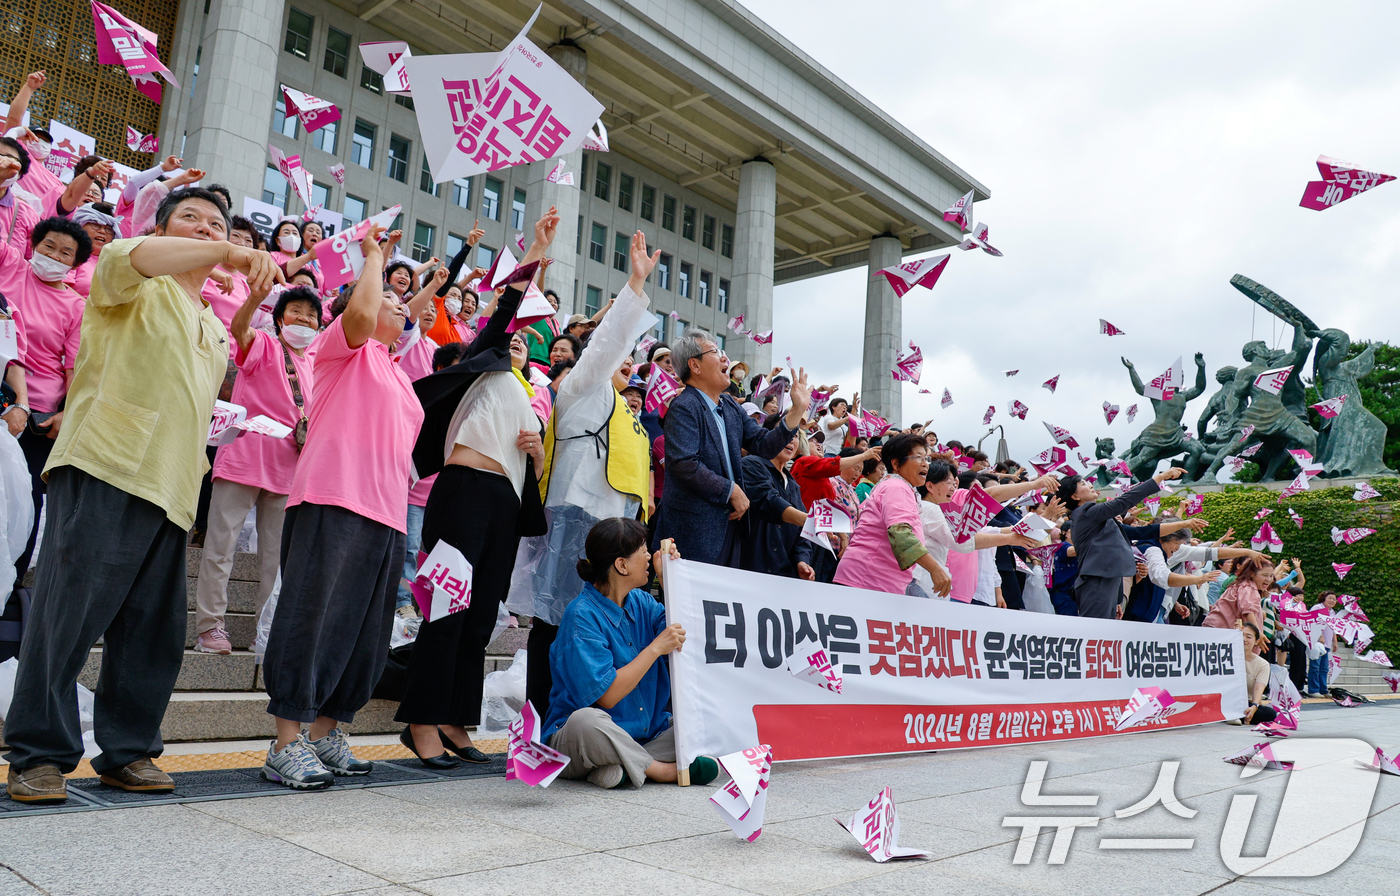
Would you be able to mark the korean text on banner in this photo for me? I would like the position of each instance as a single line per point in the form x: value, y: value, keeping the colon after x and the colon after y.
x: 483, y: 111
x: 918, y: 674
x: 340, y: 255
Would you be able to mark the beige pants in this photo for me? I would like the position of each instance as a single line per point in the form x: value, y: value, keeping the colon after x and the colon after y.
x: 590, y: 738
x: 228, y: 507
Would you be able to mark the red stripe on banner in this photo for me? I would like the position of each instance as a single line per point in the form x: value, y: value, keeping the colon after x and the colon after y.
x: 829, y: 732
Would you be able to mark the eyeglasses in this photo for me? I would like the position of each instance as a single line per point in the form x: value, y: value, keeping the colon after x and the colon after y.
x: 708, y: 351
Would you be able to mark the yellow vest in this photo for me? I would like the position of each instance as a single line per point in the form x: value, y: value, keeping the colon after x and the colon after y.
x: 629, y: 455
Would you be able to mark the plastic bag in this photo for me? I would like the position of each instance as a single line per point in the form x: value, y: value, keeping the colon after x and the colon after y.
x: 17, y: 504
x: 10, y: 668
x: 7, y: 685
x: 1035, y: 595
x: 265, y: 620
x: 502, y: 697
x: 405, y: 631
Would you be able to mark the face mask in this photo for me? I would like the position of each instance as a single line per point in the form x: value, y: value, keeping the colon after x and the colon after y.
x: 47, y: 269
x: 8, y: 182
x: 454, y: 306
x: 38, y: 150
x: 289, y: 242
x: 297, y: 336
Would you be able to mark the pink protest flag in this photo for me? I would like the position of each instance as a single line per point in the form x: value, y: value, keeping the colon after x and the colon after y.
x: 1263, y: 512
x: 925, y: 392
x: 1392, y: 679
x: 924, y: 272
x: 876, y: 829
x: 1272, y: 380
x: 908, y: 368
x: 1364, y: 490
x: 387, y: 57
x: 443, y: 585
x: 1266, y: 539
x: 960, y: 213
x: 763, y: 338
x: 1131, y: 412
x: 528, y: 759
x: 736, y: 322
x: 1331, y: 407
x: 661, y: 388
x: 312, y: 112
x: 1052, y: 384
x: 741, y: 802
x: 812, y: 664
x: 1340, y: 181
x: 597, y: 140
x: 947, y: 400
x: 1350, y: 536
x: 644, y: 345
x: 558, y: 175
x: 1341, y: 569
x: 1299, y: 484
x: 1305, y: 461
x: 138, y: 142
x: 1293, y: 515
x: 491, y: 279
x: 1149, y: 705
x: 338, y: 172
x: 987, y: 417
x: 1121, y: 467
x: 1345, y: 701
x: 978, y: 240
x: 1163, y: 386
x: 1017, y: 410
x: 1061, y: 435
x: 965, y: 519
x: 820, y: 401
x: 311, y: 212
x: 1193, y: 505
x: 1252, y: 450
x: 1047, y: 460
x: 1376, y: 656
x: 534, y: 307
x: 1011, y: 372
x: 1110, y: 411
x: 340, y: 256
x: 675, y: 315
x: 824, y: 518
x: 1108, y: 329
x: 120, y: 41
x: 875, y: 424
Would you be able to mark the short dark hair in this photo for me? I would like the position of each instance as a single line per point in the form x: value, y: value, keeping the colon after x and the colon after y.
x: 1068, y: 486
x: 172, y: 201
x: 447, y: 355
x: 306, y: 271
x: 67, y: 228
x: 294, y: 294
x: 340, y: 303
x: 850, y: 452
x: 1178, y: 535
x: 940, y: 470
x: 899, y: 448
x: 42, y: 134
x: 277, y: 228
x: 608, y: 541
x: 574, y: 342
x: 238, y: 222
x: 301, y: 228
x: 400, y: 263
x: 23, y: 153
x: 954, y: 443
x: 1252, y: 627
x: 836, y: 401
x: 222, y: 191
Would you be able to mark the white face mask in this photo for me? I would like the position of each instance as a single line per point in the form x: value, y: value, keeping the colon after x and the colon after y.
x: 47, y: 269
x: 297, y: 336
x: 454, y: 306
x: 38, y: 150
x: 8, y: 182
x: 289, y: 242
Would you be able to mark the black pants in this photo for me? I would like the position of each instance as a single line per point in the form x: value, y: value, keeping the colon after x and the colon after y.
x: 539, y: 680
x: 474, y: 511
x: 1013, y: 583
x: 1297, y: 663
x: 206, y: 495
x: 330, y: 636
x: 113, y: 567
x: 36, y: 450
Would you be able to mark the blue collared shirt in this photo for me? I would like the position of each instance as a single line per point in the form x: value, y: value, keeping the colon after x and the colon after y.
x: 723, y: 434
x: 596, y: 638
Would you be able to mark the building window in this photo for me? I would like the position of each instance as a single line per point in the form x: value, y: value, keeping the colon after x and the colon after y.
x: 337, y: 52
x: 602, y: 181
x: 324, y: 137
x: 517, y: 210
x: 723, y: 303
x: 274, y: 188
x: 485, y: 256
x: 705, y: 281
x: 624, y: 191
x: 423, y: 241
x: 462, y: 192
x: 668, y: 213
x: 683, y: 280
x: 659, y: 331
x: 491, y: 199
x: 620, y: 242
x: 362, y: 145
x: 597, y: 242
x: 353, y: 210
x: 688, y: 223
x: 454, y: 244
x: 400, y: 150
x: 298, y: 41
x: 320, y: 195
x: 371, y: 80
x: 663, y: 271
x: 405, y: 101
x: 726, y: 241
x: 719, y: 340
x: 593, y: 300
x: 282, y: 123
x: 648, y: 208
x: 707, y: 232
x: 425, y: 180
x: 398, y: 220
x: 578, y: 249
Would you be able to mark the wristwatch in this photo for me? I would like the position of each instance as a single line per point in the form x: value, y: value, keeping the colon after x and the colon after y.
x: 22, y: 407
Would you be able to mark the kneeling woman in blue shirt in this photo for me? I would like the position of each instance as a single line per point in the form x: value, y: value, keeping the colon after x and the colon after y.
x: 609, y: 707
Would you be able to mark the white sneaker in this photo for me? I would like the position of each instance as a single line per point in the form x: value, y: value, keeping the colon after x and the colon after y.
x: 334, y: 752
x: 606, y: 776
x: 296, y: 766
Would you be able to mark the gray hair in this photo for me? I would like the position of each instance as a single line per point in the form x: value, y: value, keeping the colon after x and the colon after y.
x: 1179, y: 534
x: 688, y: 347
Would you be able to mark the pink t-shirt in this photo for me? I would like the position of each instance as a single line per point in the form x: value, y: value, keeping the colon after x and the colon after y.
x: 418, y: 494
x: 262, y: 387
x: 80, y: 278
x: 417, y: 362
x: 45, y: 184
x: 17, y: 220
x: 126, y: 215
x: 49, y: 319
x: 364, y: 422
x: 226, y: 305
x: 869, y: 560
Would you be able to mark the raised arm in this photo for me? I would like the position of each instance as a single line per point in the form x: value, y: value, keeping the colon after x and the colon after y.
x: 361, y: 315
x: 454, y: 268
x: 137, y: 181
x: 20, y: 104
x: 1132, y: 372
x: 1009, y: 491
x: 1197, y: 390
x: 613, y: 340
x: 241, y: 326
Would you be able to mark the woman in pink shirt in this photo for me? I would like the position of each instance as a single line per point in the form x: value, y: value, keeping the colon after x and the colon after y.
x: 1241, y: 601
x: 343, y: 537
x: 17, y: 217
x: 275, y: 379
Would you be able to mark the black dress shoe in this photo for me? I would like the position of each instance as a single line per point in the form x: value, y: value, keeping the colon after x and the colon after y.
x: 466, y: 754
x: 440, y: 761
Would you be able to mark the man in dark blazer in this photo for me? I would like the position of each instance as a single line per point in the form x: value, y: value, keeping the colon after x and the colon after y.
x: 703, y: 502
x: 1105, y: 558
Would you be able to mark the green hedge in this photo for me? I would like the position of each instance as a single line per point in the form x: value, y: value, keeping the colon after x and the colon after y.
x: 1375, y: 579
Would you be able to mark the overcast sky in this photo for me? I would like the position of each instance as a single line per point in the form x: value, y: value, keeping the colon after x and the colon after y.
x: 1137, y: 159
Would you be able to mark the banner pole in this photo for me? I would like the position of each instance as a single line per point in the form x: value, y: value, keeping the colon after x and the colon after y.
x: 682, y: 770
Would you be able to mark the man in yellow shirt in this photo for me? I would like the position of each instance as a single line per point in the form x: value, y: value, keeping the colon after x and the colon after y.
x: 123, y: 480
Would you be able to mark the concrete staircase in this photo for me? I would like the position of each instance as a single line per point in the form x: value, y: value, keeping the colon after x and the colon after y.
x: 1360, y: 677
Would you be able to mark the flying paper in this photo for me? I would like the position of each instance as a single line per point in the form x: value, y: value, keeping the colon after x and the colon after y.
x: 961, y: 212
x: 967, y: 518
x: 1376, y: 656
x: 1293, y: 515
x: 736, y: 322
x: 1299, y: 484
x: 558, y: 175
x: 825, y: 517
x: 520, y: 242
x: 978, y: 240
x: 264, y: 425
x: 987, y: 417
x: 1017, y: 410
x: 1341, y: 569
x: 1035, y: 526
x: 443, y: 585
x: 644, y: 345
x: 1364, y: 490
x: 597, y: 140
x: 1011, y: 372
x: 1350, y: 536
x: 908, y: 368
x: 876, y: 829
x: 120, y: 41
x: 763, y: 338
x: 528, y: 759
x: 925, y: 392
x: 481, y: 112
x: 1392, y: 679
x: 1108, y: 329
x: 1110, y: 411
x: 812, y: 664
x: 1051, y: 383
x: 741, y: 802
x: 138, y: 142
x: 1164, y: 385
x: 340, y: 256
x: 1272, y: 380
x: 338, y: 172
x: 1149, y: 705
x: 312, y: 112
x: 1131, y: 412
x: 1047, y: 460
x: 1245, y: 433
x: 1193, y: 504
x: 924, y: 272
x: 1263, y: 512
x: 1061, y: 435
x: 501, y: 267
x: 534, y: 307
x: 387, y: 57
x: 1340, y: 181
x: 947, y: 400
x: 1153, y: 505
x: 1266, y: 539
x: 1252, y: 450
x: 1331, y: 407
x: 296, y: 175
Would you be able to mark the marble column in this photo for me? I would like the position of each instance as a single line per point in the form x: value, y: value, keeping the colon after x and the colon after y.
x: 540, y: 194
x: 752, y: 285
x: 884, y: 324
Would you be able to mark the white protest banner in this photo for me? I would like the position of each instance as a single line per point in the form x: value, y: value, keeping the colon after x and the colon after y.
x: 120, y: 175
x: 264, y: 215
x: 483, y: 111
x: 221, y: 427
x: 340, y: 255
x: 825, y: 517
x: 444, y: 582
x: 917, y: 674
x: 292, y: 170
x: 69, y: 145
x: 1163, y: 386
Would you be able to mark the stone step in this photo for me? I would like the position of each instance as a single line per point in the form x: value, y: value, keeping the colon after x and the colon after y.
x: 198, y: 671
x: 242, y: 629
x: 245, y: 565
x: 221, y: 715
x: 242, y: 596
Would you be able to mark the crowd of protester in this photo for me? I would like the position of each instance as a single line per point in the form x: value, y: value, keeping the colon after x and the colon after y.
x: 420, y: 414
